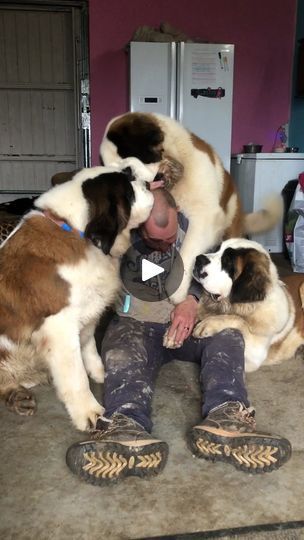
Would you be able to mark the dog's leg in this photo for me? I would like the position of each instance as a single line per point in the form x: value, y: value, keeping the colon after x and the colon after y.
x: 60, y: 333
x: 188, y: 253
x: 181, y: 292
x: 211, y: 325
x: 200, y: 237
x: 287, y: 348
x: 19, y: 371
x: 91, y: 359
x: 256, y: 346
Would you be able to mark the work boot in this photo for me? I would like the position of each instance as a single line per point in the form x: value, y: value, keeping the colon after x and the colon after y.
x: 117, y: 449
x: 229, y: 434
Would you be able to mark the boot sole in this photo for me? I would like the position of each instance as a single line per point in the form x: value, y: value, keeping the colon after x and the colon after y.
x: 107, y: 463
x: 251, y: 453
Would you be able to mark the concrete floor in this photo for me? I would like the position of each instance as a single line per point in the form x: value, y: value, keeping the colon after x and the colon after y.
x: 40, y: 499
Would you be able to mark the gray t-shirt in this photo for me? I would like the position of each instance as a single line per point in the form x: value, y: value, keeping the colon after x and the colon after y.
x: 156, y: 287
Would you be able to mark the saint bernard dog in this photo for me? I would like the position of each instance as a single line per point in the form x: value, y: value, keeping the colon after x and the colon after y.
x: 242, y: 290
x: 194, y: 174
x: 59, y: 272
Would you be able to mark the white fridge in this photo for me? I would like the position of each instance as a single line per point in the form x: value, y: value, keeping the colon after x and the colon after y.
x: 258, y: 176
x: 191, y: 82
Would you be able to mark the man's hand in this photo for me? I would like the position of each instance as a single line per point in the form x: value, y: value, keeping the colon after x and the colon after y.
x: 183, y: 319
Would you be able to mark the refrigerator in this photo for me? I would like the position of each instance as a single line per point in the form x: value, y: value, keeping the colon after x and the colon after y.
x: 258, y: 176
x: 191, y: 82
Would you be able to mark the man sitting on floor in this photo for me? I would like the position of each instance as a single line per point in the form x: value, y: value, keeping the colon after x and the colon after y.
x: 133, y: 353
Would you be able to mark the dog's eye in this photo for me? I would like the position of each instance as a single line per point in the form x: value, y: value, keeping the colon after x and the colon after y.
x: 204, y: 275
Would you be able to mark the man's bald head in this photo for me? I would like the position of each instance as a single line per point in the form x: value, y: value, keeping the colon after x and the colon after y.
x: 163, y: 202
x: 160, y: 229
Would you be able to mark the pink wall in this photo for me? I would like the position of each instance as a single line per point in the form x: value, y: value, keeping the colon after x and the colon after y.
x: 262, y: 31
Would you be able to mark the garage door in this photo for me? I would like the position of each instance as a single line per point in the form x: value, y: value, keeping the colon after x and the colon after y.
x: 39, y: 99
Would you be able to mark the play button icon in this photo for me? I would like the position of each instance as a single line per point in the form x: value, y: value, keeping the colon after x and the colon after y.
x: 150, y: 270
x: 149, y: 275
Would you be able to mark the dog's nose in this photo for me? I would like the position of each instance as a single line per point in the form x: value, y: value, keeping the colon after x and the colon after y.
x: 215, y: 297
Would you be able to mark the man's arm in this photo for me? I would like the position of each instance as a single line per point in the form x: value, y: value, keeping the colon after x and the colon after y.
x: 195, y: 289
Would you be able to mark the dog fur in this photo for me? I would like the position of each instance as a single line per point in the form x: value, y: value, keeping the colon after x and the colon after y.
x: 242, y: 290
x: 56, y: 283
x: 194, y: 173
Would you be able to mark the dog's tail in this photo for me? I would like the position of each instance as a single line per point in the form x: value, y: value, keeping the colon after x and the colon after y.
x: 265, y: 219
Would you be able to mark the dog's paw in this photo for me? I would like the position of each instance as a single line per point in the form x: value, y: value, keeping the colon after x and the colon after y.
x: 86, y: 413
x: 204, y: 329
x: 21, y: 401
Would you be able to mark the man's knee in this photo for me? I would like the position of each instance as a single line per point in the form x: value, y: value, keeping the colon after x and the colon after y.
x: 116, y: 359
x: 231, y: 335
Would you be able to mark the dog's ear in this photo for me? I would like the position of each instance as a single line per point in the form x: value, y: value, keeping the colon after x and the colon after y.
x: 137, y: 135
x: 129, y: 174
x: 228, y: 261
x: 110, y: 198
x: 250, y: 269
x: 200, y: 262
x: 102, y: 230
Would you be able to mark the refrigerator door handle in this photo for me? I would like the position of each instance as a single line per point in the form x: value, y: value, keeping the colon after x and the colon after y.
x: 180, y: 81
x: 172, y: 81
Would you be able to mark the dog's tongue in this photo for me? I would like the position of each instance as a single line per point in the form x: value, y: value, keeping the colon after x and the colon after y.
x: 157, y: 182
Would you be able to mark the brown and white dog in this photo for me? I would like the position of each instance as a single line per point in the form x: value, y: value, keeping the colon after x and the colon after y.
x: 194, y: 174
x: 59, y: 271
x: 242, y: 290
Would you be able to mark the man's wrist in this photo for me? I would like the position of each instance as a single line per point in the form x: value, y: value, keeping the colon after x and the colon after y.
x: 194, y: 297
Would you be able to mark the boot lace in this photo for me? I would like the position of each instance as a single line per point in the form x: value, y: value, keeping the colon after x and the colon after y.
x: 117, y: 422
x: 246, y: 414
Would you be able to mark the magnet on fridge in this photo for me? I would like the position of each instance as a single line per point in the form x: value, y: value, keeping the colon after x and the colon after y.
x: 220, y: 92
x: 220, y: 57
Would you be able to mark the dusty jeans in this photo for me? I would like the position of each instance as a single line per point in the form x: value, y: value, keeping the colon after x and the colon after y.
x: 133, y: 353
